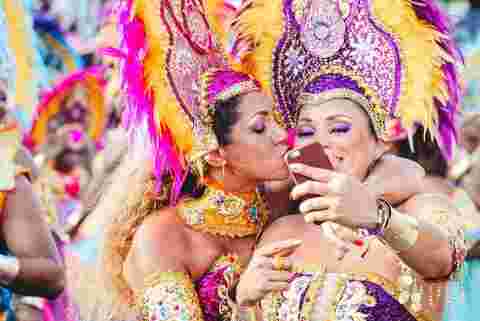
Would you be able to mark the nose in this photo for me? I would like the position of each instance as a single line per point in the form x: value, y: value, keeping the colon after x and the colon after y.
x: 283, y: 137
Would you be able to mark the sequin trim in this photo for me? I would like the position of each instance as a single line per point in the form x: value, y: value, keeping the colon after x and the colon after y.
x: 370, y: 101
x: 445, y: 219
x: 232, y: 270
x: 225, y: 214
x: 170, y: 296
x: 343, y: 297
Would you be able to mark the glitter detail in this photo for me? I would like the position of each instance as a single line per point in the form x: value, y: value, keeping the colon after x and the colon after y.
x: 213, y: 287
x: 323, y: 29
x: 215, y: 85
x: 170, y: 296
x: 341, y: 297
x: 321, y: 38
x: 217, y: 212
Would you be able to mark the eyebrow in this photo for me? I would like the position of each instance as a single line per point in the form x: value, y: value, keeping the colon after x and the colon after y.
x: 308, y: 120
x: 263, y: 112
x: 334, y: 117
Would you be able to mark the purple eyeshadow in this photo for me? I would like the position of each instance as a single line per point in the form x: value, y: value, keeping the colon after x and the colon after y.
x: 343, y: 127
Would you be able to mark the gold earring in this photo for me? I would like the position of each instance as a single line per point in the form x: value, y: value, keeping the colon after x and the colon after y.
x: 223, y: 170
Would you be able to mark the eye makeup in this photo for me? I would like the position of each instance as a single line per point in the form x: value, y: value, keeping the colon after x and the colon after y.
x: 340, y: 128
x: 305, y: 130
x: 258, y: 124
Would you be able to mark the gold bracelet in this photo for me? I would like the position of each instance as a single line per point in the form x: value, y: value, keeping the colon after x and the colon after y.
x: 402, y: 232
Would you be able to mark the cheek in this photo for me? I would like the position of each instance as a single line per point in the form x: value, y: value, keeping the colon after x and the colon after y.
x: 354, y: 147
x: 241, y: 155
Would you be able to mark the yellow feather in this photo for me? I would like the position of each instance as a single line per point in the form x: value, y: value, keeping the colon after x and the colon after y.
x: 421, y: 57
x: 213, y: 12
x: 264, y: 24
x: 167, y: 111
x: 20, y: 42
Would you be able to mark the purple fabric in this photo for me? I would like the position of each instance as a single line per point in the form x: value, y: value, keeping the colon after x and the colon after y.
x: 387, y: 308
x: 223, y: 80
x: 331, y: 81
x: 62, y: 308
x: 207, y: 289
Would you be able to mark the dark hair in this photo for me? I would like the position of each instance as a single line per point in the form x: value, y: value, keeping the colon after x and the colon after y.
x: 475, y: 4
x: 426, y: 152
x: 226, y: 115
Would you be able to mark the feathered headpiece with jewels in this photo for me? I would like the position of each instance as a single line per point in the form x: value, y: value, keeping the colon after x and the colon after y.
x: 174, y: 71
x: 53, y: 112
x: 395, y: 58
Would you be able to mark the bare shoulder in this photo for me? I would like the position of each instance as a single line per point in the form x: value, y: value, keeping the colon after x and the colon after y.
x: 162, y: 233
x: 286, y: 227
x: 159, y: 244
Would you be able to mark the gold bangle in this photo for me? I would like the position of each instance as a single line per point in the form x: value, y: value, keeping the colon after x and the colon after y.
x: 402, y: 232
x: 279, y: 263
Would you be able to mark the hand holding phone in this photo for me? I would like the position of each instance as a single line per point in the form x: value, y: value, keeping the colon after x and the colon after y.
x: 312, y: 155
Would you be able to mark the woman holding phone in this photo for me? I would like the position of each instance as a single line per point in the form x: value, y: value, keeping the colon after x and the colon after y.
x: 346, y: 82
x: 179, y: 234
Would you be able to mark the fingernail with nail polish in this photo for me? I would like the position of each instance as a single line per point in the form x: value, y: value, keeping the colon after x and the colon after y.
x: 294, y: 167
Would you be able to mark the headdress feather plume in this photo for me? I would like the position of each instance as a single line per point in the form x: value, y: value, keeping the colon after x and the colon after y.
x: 429, y: 79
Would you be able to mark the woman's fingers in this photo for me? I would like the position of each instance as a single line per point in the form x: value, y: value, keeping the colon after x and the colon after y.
x: 320, y: 217
x: 315, y: 173
x: 319, y: 204
x: 279, y: 276
x: 279, y: 247
x: 309, y: 188
x: 276, y: 286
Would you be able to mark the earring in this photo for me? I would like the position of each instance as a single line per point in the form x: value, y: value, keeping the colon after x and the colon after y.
x: 223, y: 170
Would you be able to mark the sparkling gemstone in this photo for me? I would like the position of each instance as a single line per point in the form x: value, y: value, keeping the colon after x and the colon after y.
x: 254, y: 213
x: 321, y: 31
x: 405, y: 280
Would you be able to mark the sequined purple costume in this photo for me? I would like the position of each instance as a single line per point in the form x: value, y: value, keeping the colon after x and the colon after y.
x: 212, y: 289
x: 317, y: 296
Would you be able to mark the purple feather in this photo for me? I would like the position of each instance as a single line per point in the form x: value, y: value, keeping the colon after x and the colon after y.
x: 430, y: 11
x: 140, y: 105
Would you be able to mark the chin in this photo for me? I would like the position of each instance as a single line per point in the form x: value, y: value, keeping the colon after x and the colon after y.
x: 281, y: 175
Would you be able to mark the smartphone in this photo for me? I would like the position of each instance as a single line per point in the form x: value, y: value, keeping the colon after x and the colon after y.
x: 312, y: 155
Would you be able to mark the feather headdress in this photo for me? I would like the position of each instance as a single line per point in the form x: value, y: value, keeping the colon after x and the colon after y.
x: 174, y: 71
x: 93, y: 81
x: 396, y: 57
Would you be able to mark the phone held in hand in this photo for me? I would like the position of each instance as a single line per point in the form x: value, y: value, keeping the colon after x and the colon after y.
x: 312, y: 155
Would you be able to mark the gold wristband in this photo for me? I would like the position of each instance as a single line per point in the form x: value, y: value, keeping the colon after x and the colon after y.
x: 9, y: 269
x: 402, y: 232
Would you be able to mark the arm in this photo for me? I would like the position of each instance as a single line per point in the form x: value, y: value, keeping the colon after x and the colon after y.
x: 471, y: 183
x: 395, y: 179
x: 156, y: 271
x: 427, y: 238
x: 439, y: 247
x: 29, y: 240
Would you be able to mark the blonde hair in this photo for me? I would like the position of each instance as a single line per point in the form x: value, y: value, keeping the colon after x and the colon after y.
x: 124, y: 205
